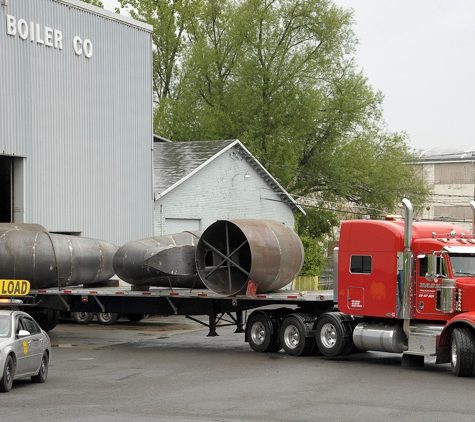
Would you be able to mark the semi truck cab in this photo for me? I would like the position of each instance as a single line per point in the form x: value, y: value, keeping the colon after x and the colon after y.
x: 410, y: 287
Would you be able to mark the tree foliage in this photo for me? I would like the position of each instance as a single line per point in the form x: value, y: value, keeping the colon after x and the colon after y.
x: 97, y: 3
x: 280, y: 76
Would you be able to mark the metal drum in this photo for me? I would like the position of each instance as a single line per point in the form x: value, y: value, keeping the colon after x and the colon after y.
x: 30, y: 252
x: 162, y: 261
x: 248, y: 256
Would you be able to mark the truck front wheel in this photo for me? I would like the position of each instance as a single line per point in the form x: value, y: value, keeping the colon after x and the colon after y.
x: 462, y: 349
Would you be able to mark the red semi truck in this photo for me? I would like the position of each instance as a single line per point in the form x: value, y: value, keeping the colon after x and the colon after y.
x: 400, y: 287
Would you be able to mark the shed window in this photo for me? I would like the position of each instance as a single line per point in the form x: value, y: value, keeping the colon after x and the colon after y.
x: 361, y: 264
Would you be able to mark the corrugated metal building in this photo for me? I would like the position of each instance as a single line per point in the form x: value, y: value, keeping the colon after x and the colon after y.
x: 76, y: 119
x: 197, y: 183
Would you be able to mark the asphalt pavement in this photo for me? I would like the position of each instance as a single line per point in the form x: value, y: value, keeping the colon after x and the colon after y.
x: 168, y: 369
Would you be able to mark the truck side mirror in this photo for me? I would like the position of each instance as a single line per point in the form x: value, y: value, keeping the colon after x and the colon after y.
x: 431, y: 273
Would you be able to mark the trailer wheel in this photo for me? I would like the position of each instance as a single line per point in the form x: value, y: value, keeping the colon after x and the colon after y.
x: 6, y: 382
x: 292, y: 337
x: 259, y: 334
x: 462, y: 349
x: 107, y: 318
x: 135, y: 317
x: 330, y: 336
x: 82, y: 317
x: 46, y: 319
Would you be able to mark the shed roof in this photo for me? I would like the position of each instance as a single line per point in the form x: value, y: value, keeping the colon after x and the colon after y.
x: 175, y: 162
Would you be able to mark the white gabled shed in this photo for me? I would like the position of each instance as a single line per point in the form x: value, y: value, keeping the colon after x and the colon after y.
x: 197, y: 183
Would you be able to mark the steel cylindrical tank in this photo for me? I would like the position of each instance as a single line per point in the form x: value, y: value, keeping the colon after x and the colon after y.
x: 230, y: 253
x: 30, y: 252
x: 162, y: 261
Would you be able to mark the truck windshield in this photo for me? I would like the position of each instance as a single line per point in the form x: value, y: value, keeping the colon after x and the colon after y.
x: 463, y: 265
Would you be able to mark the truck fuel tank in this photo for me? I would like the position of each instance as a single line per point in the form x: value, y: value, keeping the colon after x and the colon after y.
x: 382, y: 337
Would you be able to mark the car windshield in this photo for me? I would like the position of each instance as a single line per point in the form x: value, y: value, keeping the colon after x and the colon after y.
x: 5, y: 326
x: 463, y: 265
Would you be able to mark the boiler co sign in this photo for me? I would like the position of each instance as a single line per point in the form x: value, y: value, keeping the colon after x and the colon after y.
x: 49, y: 37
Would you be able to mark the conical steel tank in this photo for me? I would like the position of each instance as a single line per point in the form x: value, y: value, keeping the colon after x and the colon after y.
x: 30, y: 252
x: 161, y: 261
x: 248, y: 256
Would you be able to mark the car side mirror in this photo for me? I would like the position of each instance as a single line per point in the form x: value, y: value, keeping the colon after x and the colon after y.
x: 23, y: 333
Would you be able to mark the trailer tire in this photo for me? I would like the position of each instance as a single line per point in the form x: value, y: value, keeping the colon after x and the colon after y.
x: 292, y: 338
x: 462, y: 350
x: 330, y: 336
x: 47, y: 319
x: 135, y: 317
x: 259, y: 334
x: 6, y: 382
x: 82, y: 317
x: 42, y: 374
x: 107, y: 318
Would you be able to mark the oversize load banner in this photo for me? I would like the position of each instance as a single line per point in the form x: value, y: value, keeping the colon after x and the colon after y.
x: 14, y: 287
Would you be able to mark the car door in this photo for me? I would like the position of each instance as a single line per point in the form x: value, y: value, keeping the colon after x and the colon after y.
x: 34, y: 343
x: 20, y: 349
x: 29, y: 349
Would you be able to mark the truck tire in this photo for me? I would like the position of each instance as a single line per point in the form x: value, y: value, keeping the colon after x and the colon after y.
x: 259, y: 334
x: 42, y: 374
x: 293, y: 340
x: 462, y: 349
x: 107, y: 318
x: 82, y: 317
x: 6, y: 382
x: 331, y: 337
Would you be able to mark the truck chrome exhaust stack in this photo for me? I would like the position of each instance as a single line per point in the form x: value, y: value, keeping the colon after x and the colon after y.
x: 472, y: 206
x: 407, y: 265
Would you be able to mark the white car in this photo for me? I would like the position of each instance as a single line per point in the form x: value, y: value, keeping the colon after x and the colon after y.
x: 25, y: 349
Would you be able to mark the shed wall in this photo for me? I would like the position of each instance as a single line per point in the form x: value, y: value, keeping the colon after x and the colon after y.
x: 218, y: 191
x: 82, y: 125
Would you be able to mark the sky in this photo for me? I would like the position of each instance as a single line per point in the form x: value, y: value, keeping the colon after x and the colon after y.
x: 421, y: 55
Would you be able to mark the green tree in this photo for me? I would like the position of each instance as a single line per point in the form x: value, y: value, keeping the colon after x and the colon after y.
x: 97, y: 3
x: 170, y: 20
x: 281, y: 76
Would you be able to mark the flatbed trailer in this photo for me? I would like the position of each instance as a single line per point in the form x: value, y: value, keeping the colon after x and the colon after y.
x: 192, y: 303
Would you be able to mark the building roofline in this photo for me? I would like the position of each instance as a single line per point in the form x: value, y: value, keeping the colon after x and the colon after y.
x: 250, y: 159
x: 111, y: 15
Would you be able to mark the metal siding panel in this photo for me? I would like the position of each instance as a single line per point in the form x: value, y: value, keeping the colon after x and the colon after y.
x: 85, y: 125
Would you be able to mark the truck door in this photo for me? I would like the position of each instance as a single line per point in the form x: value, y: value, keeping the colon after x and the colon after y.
x: 426, y: 291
